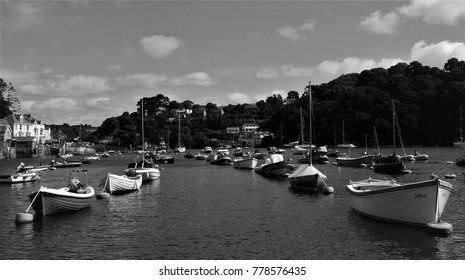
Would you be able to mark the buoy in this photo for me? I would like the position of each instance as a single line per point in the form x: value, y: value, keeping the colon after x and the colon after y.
x: 102, y: 195
x: 328, y: 190
x: 24, y: 218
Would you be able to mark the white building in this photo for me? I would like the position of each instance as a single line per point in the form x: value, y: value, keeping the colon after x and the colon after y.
x: 249, y: 128
x: 23, y: 125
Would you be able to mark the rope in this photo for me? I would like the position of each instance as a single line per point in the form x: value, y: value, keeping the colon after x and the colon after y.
x: 27, y: 210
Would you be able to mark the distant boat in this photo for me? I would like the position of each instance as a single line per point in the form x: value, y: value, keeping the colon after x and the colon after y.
x: 274, y: 166
x: 163, y: 158
x: 200, y: 156
x: 221, y: 159
x: 23, y: 177
x: 390, y: 164
x: 419, y: 156
x: 361, y: 161
x: 245, y: 163
x: 65, y: 164
x: 419, y: 203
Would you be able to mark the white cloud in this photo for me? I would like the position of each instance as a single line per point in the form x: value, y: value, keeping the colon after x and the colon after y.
x: 146, y: 80
x: 239, y: 98
x: 158, y: 46
x: 196, y: 79
x: 381, y: 24
x: 296, y: 32
x: 268, y: 73
x: 22, y: 15
x: 437, y: 54
x: 94, y: 102
x: 435, y: 11
x: 114, y: 68
x: 440, y: 12
x: 83, y: 84
x: 60, y: 104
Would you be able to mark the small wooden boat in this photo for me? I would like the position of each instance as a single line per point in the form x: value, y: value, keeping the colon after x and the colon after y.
x: 75, y: 196
x: 23, y: 177
x: 65, y: 164
x: 389, y: 165
x: 361, y: 161
x: 450, y: 176
x: 245, y: 163
x: 115, y: 184
x: 307, y: 177
x: 418, y: 203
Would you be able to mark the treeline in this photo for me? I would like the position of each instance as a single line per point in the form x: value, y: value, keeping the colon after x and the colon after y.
x: 427, y: 101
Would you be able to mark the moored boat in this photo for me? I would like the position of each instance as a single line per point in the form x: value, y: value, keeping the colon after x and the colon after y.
x: 114, y: 184
x: 245, y: 163
x: 19, y: 177
x: 65, y: 164
x: 148, y: 170
x: 221, y: 160
x: 361, y: 161
x: 76, y: 196
x: 163, y: 158
x: 418, y: 203
x: 274, y: 165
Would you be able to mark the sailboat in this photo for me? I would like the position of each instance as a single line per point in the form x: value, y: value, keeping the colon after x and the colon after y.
x: 461, y: 142
x: 301, y: 148
x: 148, y: 170
x: 180, y: 148
x: 390, y: 164
x: 344, y: 144
x: 305, y: 176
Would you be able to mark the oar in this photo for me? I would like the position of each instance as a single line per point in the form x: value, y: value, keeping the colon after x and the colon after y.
x: 23, y: 218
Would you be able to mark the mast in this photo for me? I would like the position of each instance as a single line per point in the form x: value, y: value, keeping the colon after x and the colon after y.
x: 179, y: 130
x: 301, y: 128
x: 394, y: 126
x: 142, y: 130
x: 310, y: 121
x: 461, y: 137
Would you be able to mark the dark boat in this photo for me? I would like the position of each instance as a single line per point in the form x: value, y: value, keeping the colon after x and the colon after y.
x: 389, y: 165
x: 163, y: 159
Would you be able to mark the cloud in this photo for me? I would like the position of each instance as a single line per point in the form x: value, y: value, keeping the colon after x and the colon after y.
x: 146, y: 80
x: 437, y: 54
x: 434, y: 11
x: 196, y: 79
x: 82, y: 84
x: 94, y: 102
x: 381, y: 24
x: 296, y: 32
x: 239, y: 98
x: 437, y: 12
x: 158, y: 46
x: 22, y: 15
x: 113, y: 68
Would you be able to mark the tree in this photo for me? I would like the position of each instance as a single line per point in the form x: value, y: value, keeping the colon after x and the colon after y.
x: 293, y: 95
x: 4, y: 108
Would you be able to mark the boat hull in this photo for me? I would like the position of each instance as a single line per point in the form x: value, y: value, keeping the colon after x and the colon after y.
x: 307, y: 177
x: 222, y: 161
x: 115, y: 184
x: 56, y: 201
x: 355, y: 162
x: 418, y: 203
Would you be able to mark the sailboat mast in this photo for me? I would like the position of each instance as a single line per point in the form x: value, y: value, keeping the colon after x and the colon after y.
x: 301, y: 128
x: 461, y: 137
x: 394, y: 126
x: 179, y: 129
x: 142, y: 130
x: 310, y: 121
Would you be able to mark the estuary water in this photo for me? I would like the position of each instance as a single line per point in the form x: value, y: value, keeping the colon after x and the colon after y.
x: 201, y: 211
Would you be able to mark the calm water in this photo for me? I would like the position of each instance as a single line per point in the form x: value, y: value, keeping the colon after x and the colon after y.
x: 201, y: 211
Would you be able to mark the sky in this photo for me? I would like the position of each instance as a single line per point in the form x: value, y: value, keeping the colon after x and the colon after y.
x: 81, y: 62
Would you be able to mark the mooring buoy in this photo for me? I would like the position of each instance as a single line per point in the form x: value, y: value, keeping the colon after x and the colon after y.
x: 23, y: 218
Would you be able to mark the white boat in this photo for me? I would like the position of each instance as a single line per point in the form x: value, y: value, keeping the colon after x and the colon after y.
x: 121, y: 183
x: 74, y: 197
x: 245, y: 163
x: 221, y: 160
x: 207, y: 150
x: 419, y: 156
x: 418, y: 203
x: 148, y: 170
x: 274, y: 166
x: 306, y: 177
x: 222, y: 151
x: 361, y: 161
x: 200, y: 156
x: 19, y: 177
x: 145, y: 168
